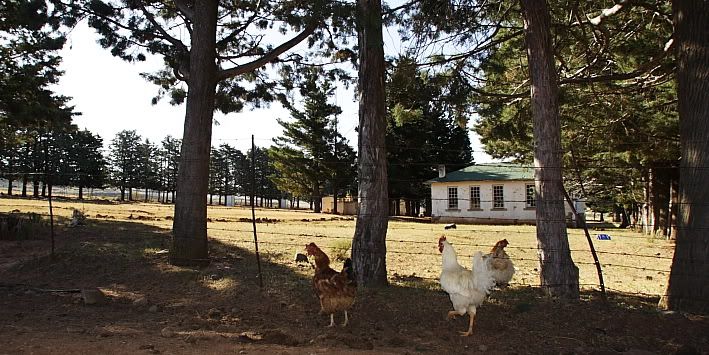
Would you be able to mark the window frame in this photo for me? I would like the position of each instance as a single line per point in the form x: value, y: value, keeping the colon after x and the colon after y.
x: 475, y: 201
x: 498, y: 204
x: 530, y: 200
x: 452, y: 204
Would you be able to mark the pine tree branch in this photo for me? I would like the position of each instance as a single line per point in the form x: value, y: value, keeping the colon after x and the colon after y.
x: 608, y: 12
x: 645, y: 68
x: 163, y: 34
x: 222, y: 42
x: 248, y: 67
x: 185, y: 9
x: 474, y: 51
x: 405, y: 6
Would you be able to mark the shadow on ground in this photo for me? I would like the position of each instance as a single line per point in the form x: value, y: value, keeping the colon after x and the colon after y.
x: 155, y: 307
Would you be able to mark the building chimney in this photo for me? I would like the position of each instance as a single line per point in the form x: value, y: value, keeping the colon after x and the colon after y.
x: 441, y: 171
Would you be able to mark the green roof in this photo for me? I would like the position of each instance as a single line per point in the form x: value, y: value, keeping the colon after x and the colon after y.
x: 488, y: 172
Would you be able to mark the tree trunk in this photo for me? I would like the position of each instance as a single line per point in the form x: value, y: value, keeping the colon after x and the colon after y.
x: 146, y: 194
x: 24, y: 186
x: 81, y: 192
x: 189, y: 241
x: 624, y: 220
x: 369, y: 242
x: 317, y: 200
x: 687, y: 288
x: 558, y: 274
x: 646, y: 215
x: 659, y: 199
x: 635, y: 217
x: 123, y: 193
x: 674, y: 191
x: 35, y: 187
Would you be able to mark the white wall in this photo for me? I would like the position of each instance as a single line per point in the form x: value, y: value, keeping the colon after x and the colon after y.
x: 515, y: 210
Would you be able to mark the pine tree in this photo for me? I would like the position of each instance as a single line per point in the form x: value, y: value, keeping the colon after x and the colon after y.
x: 426, y: 127
x: 89, y: 165
x: 369, y: 241
x: 304, y: 155
x: 221, y: 68
x: 124, y: 160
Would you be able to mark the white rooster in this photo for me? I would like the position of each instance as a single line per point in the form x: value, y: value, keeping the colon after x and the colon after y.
x: 467, y: 289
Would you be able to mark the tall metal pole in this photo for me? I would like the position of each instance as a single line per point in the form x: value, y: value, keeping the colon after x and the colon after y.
x: 253, y: 210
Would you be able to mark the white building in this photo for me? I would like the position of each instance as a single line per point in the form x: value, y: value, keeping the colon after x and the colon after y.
x: 487, y: 194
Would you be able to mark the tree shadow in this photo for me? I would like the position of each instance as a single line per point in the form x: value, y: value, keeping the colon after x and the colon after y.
x: 224, y: 303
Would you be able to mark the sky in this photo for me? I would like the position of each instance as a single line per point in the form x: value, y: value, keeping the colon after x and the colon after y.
x: 111, y: 96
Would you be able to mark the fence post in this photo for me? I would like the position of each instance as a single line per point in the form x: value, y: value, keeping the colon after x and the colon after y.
x: 51, y: 215
x: 253, y: 211
x: 590, y: 243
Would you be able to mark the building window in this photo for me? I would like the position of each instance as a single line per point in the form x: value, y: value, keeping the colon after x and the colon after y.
x: 452, y: 198
x: 475, y: 197
x: 530, y: 197
x: 498, y: 199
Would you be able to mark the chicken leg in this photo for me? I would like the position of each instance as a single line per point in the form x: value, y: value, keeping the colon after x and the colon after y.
x: 332, y: 320
x: 471, y: 314
x: 452, y: 314
x: 346, y: 320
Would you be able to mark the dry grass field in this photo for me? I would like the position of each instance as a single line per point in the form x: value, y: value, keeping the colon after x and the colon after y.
x: 220, y: 308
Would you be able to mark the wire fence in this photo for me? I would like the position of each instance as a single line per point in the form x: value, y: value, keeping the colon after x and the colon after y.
x: 523, y: 256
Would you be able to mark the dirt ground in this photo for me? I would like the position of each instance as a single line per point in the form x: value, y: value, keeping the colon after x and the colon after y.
x: 153, y: 307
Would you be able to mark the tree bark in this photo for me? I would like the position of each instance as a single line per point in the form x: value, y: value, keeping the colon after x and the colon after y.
x: 659, y: 199
x: 687, y: 288
x: 24, y: 186
x: 369, y: 242
x: 674, y: 191
x: 189, y: 241
x: 624, y: 220
x: 81, y: 192
x: 646, y: 211
x: 559, y: 276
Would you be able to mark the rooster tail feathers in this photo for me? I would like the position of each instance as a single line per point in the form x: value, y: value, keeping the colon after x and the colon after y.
x: 347, y: 269
x: 483, y: 277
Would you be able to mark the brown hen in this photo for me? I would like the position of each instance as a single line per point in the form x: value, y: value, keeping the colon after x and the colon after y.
x: 336, y: 290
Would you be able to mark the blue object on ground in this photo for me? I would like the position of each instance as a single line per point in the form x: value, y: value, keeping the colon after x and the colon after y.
x: 603, y: 237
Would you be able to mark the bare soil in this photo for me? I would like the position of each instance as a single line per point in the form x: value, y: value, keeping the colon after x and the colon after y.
x: 153, y: 307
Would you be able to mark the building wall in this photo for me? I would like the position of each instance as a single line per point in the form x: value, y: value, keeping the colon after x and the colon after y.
x: 345, y: 206
x: 514, y: 211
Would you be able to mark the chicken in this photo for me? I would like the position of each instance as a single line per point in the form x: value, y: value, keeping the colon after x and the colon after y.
x: 336, y: 290
x: 500, y: 264
x: 467, y: 289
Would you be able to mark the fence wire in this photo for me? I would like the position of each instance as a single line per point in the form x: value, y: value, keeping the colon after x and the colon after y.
x: 216, y: 230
